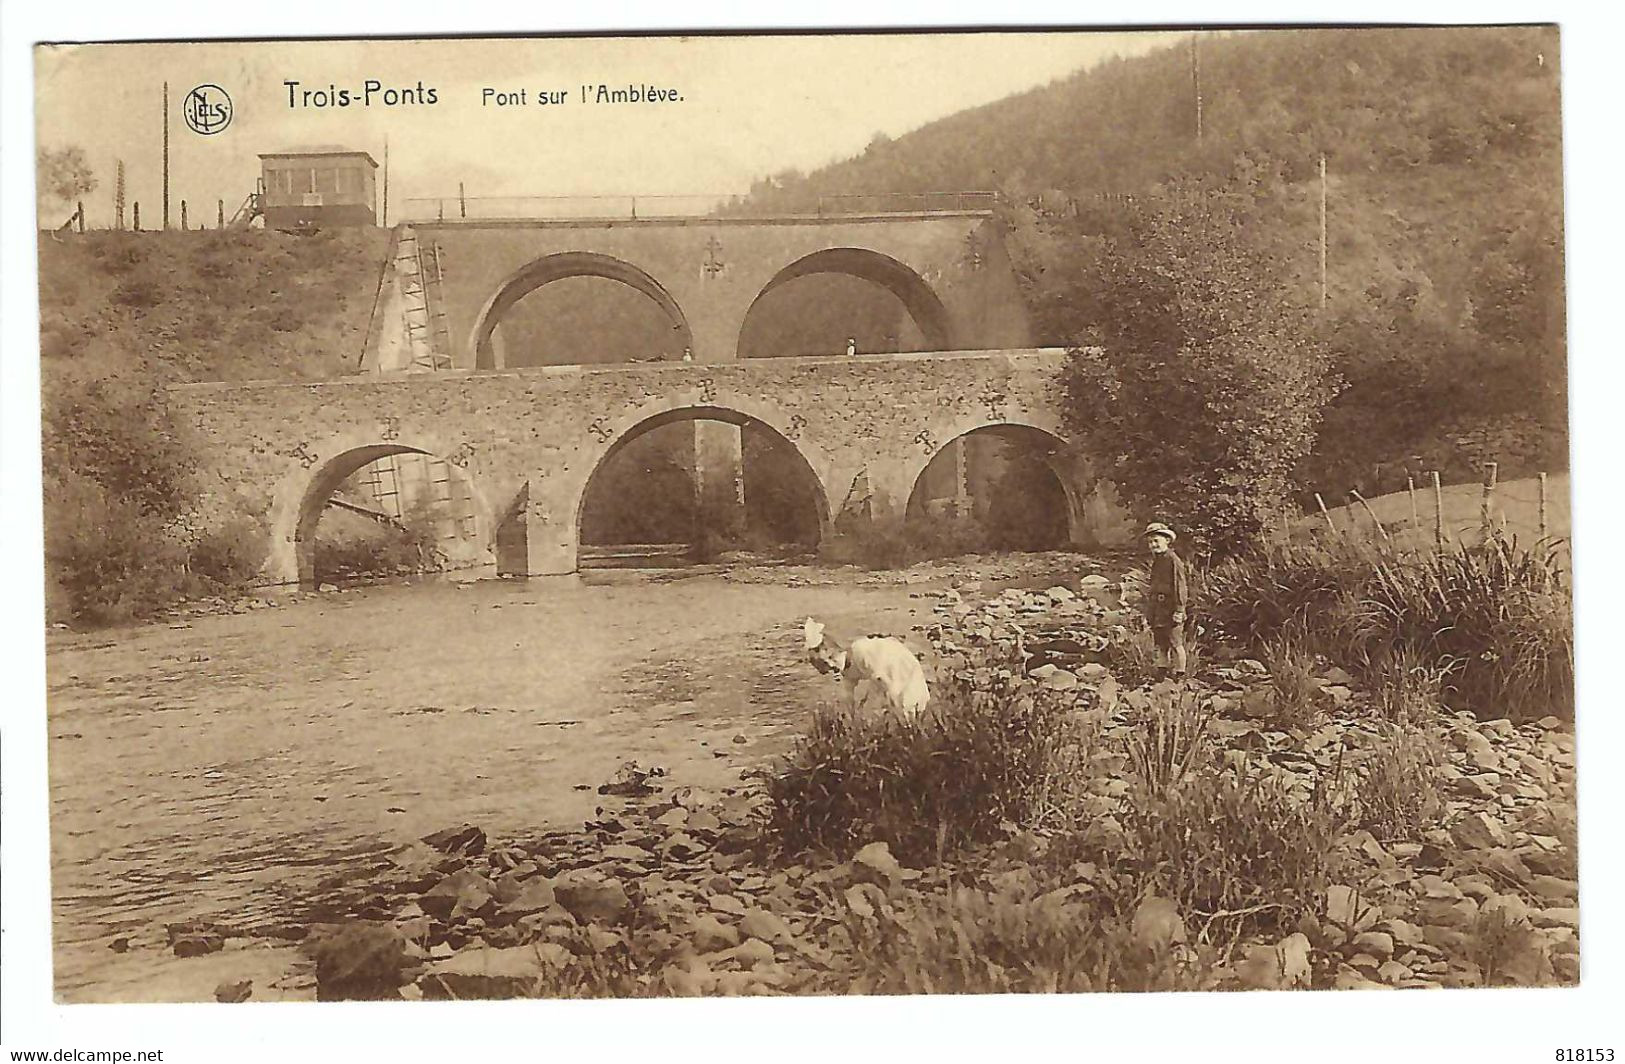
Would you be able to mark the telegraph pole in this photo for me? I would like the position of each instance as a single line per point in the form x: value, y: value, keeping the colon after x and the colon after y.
x: 1196, y: 86
x: 385, y: 222
x: 1323, y: 231
x: 166, y: 155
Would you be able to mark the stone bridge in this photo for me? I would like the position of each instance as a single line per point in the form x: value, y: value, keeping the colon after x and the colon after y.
x: 529, y: 441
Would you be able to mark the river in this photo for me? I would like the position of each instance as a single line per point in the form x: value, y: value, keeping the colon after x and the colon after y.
x: 221, y: 767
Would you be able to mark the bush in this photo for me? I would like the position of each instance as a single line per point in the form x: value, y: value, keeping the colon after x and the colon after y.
x: 1027, y: 507
x: 1193, y: 372
x: 872, y: 546
x: 141, y: 294
x: 107, y: 561
x: 378, y: 549
x: 228, y: 558
x: 1499, y: 615
x: 930, y: 785
x: 1256, y: 596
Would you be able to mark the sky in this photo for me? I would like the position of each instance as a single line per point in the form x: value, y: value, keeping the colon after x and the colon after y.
x: 748, y: 107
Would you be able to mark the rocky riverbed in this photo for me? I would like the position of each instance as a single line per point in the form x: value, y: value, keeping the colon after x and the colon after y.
x: 669, y: 888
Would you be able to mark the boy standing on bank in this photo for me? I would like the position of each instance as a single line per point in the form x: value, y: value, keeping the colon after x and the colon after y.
x: 1167, y: 599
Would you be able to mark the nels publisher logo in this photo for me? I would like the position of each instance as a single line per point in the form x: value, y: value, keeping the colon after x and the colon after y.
x: 207, y: 109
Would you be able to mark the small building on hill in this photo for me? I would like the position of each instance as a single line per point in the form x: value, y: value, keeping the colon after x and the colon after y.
x: 327, y: 185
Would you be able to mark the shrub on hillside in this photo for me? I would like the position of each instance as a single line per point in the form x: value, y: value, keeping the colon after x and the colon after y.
x: 929, y: 785
x: 138, y: 293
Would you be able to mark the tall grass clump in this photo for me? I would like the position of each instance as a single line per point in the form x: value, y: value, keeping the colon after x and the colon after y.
x: 1255, y: 598
x: 1496, y: 617
x: 930, y: 785
x: 1397, y: 788
x: 1500, y: 615
x: 1292, y: 670
x: 1171, y: 742
x: 980, y: 942
x: 1235, y: 848
x: 1407, y: 688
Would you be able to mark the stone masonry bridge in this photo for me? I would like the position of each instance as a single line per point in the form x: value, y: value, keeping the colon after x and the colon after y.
x: 530, y: 440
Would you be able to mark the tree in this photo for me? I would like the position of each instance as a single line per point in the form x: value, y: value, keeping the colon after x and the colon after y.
x: 1206, y: 387
x: 62, y: 176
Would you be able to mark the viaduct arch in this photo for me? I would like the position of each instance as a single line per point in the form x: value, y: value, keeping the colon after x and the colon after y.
x: 557, y: 267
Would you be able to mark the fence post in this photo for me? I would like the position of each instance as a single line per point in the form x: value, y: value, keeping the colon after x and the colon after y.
x: 1410, y: 488
x: 183, y: 216
x: 1373, y: 514
x: 1438, y: 513
x: 1489, y: 495
x: 137, y: 220
x: 219, y: 214
x: 462, y: 202
x: 80, y: 215
x: 1543, y: 506
x: 1325, y: 513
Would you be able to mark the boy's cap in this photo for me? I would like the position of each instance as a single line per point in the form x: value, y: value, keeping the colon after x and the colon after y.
x: 1157, y: 528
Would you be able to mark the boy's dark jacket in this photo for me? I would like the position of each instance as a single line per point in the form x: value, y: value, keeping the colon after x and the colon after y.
x: 1169, y: 590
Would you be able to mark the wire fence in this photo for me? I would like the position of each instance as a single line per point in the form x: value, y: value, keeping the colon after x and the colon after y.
x: 699, y: 205
x: 462, y: 207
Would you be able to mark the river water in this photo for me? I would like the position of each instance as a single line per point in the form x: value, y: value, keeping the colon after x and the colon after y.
x: 222, y: 767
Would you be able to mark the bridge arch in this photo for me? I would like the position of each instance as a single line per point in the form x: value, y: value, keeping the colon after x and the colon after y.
x: 298, y: 502
x: 550, y: 268
x: 923, y: 305
x: 1037, y: 439
x: 738, y: 410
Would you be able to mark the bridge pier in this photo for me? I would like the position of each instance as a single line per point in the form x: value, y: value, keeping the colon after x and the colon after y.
x: 531, y: 541
x: 719, y: 479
